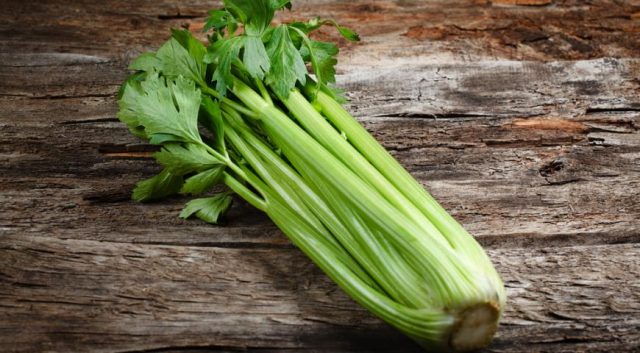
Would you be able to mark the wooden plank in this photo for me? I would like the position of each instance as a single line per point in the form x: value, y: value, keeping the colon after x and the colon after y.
x: 75, y: 295
x: 439, y: 87
x: 568, y: 148
x: 567, y: 30
x: 565, y: 193
x: 521, y: 117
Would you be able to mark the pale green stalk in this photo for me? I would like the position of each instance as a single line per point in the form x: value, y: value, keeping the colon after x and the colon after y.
x: 436, y: 263
x: 406, y: 184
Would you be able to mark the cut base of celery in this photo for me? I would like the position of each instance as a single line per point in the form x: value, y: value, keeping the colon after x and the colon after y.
x: 475, y: 327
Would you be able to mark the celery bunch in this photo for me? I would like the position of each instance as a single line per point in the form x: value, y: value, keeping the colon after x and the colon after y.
x: 245, y: 112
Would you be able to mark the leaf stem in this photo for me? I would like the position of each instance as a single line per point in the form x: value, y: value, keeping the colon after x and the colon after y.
x: 229, y: 102
x: 263, y: 91
x: 312, y: 55
x: 244, y: 192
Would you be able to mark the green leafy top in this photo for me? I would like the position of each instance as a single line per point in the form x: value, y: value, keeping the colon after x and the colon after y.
x: 169, y: 98
x: 165, y: 108
x: 162, y: 110
x: 278, y: 55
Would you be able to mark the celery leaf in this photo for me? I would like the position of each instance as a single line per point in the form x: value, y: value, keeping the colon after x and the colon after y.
x: 287, y: 66
x: 203, y: 181
x: 255, y: 58
x: 223, y: 53
x: 168, y: 108
x: 180, y: 160
x: 177, y: 61
x: 157, y: 187
x: 207, y: 209
x: 324, y: 53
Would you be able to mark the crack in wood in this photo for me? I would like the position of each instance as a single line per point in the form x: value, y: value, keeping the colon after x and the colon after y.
x: 177, y: 16
x: 611, y: 110
x: 90, y: 121
x: 563, y: 181
x: 434, y: 116
x: 58, y: 97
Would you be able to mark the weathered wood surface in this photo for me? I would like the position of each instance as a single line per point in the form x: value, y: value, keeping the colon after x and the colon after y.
x: 66, y: 295
x: 521, y: 117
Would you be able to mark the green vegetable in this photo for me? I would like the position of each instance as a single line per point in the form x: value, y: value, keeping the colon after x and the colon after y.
x: 244, y: 112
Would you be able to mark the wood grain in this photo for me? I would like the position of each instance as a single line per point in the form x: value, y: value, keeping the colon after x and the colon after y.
x: 76, y: 293
x: 521, y: 117
x: 568, y: 151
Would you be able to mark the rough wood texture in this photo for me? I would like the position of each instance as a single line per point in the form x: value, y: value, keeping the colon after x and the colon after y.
x: 117, y: 297
x: 521, y: 117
